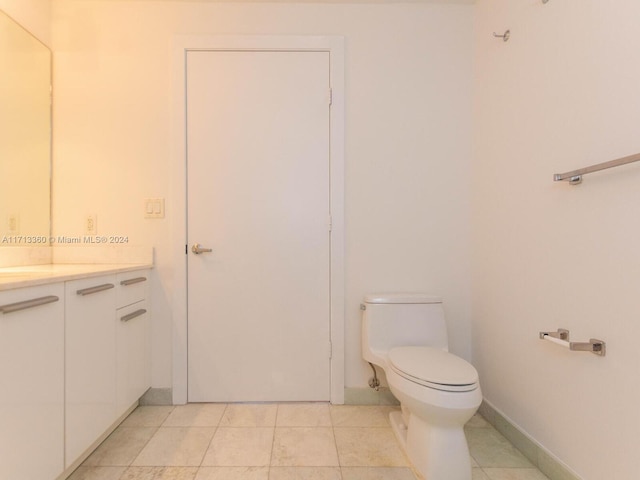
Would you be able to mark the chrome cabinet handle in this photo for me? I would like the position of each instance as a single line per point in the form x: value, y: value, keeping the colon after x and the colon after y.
x: 133, y: 315
x: 132, y: 281
x: 197, y: 249
x: 96, y: 289
x: 15, y: 307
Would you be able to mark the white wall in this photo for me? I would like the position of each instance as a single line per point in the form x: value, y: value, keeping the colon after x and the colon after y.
x: 34, y: 15
x: 561, y: 94
x: 408, y: 139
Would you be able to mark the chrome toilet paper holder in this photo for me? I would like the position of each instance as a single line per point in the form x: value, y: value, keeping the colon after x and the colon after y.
x: 561, y: 337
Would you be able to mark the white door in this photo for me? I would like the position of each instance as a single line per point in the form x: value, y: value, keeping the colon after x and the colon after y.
x: 258, y: 196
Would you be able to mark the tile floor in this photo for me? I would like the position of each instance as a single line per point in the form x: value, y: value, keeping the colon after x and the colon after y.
x: 278, y: 442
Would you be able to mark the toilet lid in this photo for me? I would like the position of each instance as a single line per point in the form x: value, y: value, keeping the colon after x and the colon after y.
x: 433, y: 368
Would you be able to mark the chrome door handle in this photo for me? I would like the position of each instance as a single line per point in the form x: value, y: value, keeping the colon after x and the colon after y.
x: 197, y: 249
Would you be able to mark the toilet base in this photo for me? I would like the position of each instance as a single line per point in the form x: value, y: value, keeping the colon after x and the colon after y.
x: 399, y: 428
x: 437, y: 453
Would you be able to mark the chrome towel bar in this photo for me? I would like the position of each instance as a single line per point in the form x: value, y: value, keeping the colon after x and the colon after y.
x: 574, y: 177
x: 561, y: 337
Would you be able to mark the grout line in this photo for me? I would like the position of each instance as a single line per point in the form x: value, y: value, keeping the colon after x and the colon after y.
x: 215, y: 430
x: 157, y: 429
x: 335, y: 441
x: 273, y: 441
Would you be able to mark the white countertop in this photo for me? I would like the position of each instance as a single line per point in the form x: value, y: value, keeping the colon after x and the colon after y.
x: 32, y: 275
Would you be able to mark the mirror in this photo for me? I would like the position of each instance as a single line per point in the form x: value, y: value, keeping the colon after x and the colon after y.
x: 25, y: 137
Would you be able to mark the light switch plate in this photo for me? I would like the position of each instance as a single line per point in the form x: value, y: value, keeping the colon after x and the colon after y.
x: 154, y: 208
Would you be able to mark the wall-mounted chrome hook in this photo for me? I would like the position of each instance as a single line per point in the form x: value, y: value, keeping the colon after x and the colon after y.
x: 505, y: 36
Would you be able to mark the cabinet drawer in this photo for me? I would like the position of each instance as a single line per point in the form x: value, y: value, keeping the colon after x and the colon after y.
x: 131, y: 287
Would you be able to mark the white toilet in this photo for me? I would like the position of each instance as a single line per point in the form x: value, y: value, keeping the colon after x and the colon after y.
x: 406, y: 335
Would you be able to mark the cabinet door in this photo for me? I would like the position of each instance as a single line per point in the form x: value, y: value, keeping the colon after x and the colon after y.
x: 134, y: 354
x: 32, y: 384
x: 90, y: 336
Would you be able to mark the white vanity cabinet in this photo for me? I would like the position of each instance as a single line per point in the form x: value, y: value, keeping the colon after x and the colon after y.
x: 32, y: 382
x: 90, y: 344
x: 132, y: 338
x: 75, y: 357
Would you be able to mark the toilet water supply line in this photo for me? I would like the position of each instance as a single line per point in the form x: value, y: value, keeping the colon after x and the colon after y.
x: 373, y: 381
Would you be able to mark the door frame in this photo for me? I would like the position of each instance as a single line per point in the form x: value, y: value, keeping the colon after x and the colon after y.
x: 178, y: 210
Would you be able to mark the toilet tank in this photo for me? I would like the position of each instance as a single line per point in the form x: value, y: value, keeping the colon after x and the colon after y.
x: 397, y: 320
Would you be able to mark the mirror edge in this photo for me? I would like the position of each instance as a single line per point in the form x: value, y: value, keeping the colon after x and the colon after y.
x: 50, y: 183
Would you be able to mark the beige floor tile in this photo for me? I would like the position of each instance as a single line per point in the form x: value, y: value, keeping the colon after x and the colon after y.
x: 517, y: 438
x: 233, y: 473
x: 304, y: 447
x: 240, y: 447
x: 304, y: 473
x: 514, y: 474
x: 378, y: 473
x: 478, y: 474
x: 244, y: 415
x: 303, y: 415
x: 360, y: 416
x: 490, y: 449
x: 121, y: 447
x: 150, y: 416
x: 196, y: 415
x: 176, y: 446
x: 301, y: 447
x: 477, y: 421
x: 160, y: 473
x: 97, y: 473
x: 368, y: 447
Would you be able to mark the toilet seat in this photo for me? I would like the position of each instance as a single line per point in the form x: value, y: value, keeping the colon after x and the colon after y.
x: 433, y: 368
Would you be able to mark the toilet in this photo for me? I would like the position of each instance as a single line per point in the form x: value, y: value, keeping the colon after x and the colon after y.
x: 406, y: 335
